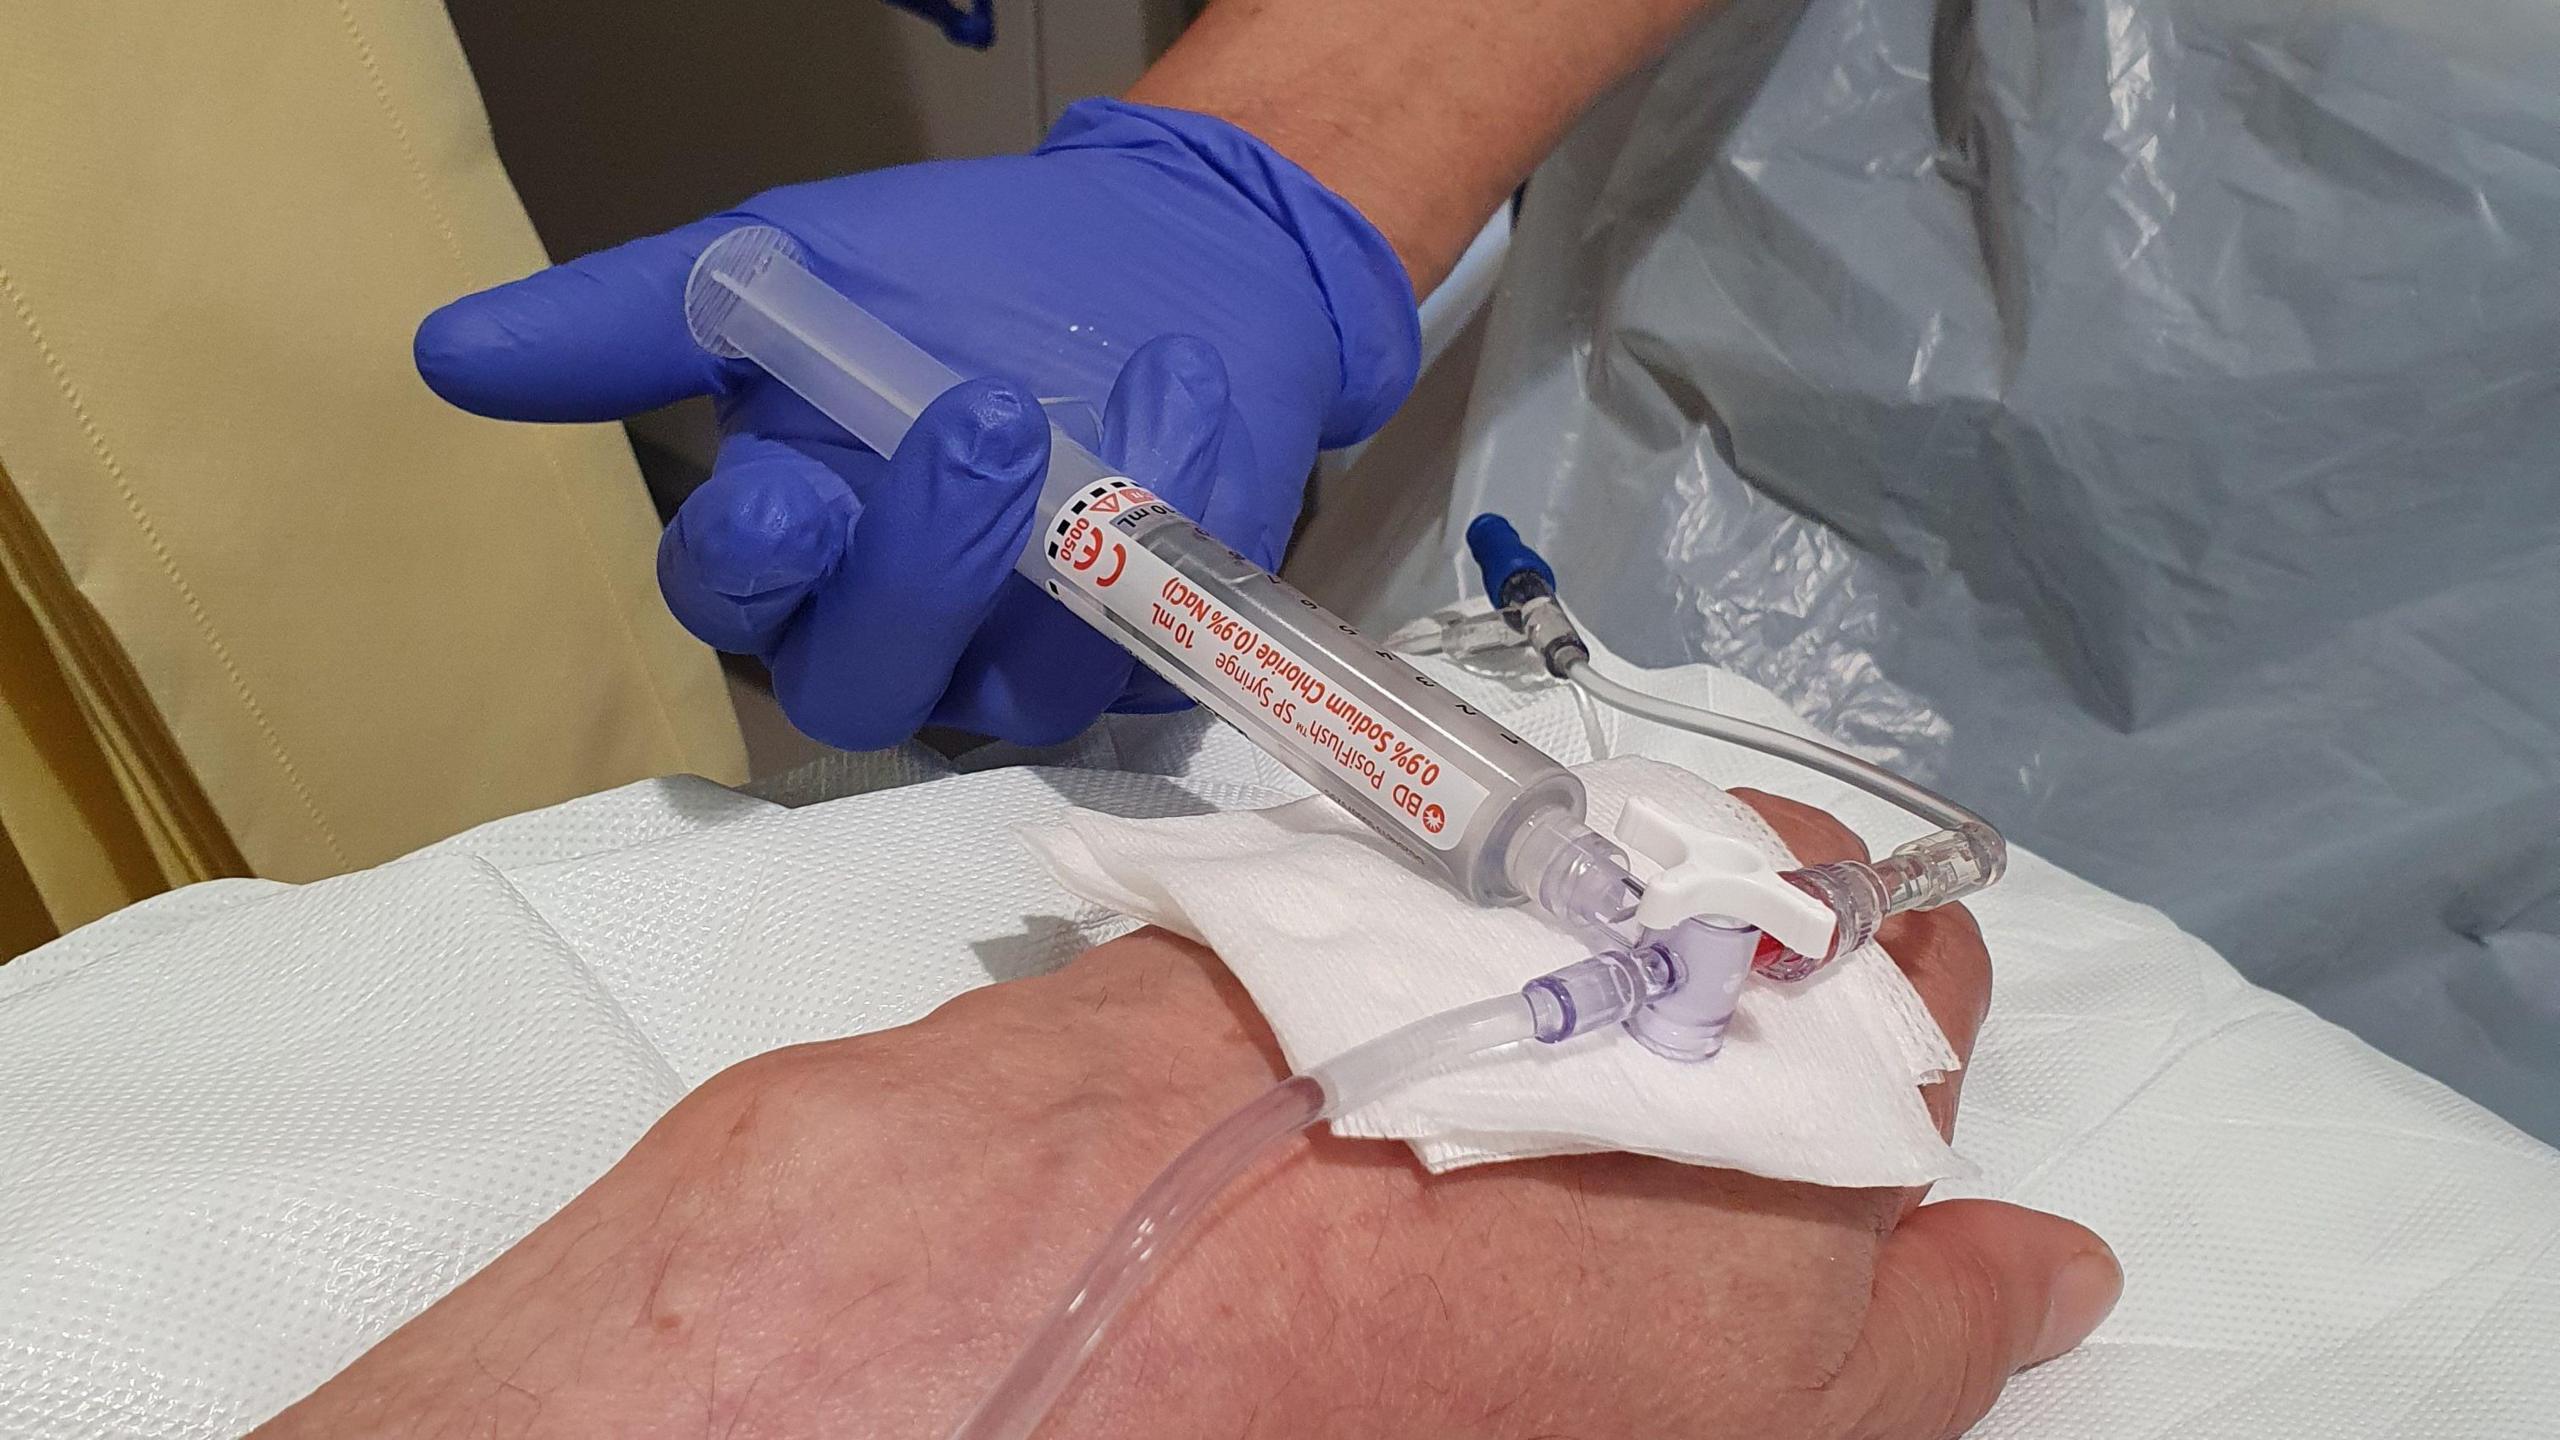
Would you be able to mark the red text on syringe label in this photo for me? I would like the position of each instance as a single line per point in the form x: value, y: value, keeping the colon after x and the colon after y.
x: 1093, y: 544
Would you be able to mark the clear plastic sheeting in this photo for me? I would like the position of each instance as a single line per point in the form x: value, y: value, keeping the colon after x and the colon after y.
x: 2136, y: 417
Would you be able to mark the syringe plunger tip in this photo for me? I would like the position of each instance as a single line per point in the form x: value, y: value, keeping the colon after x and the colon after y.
x: 725, y: 268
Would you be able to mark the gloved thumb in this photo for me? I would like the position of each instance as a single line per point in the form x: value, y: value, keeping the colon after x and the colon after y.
x: 1968, y: 1293
x: 1038, y: 674
x: 598, y: 338
x: 1169, y: 420
x: 939, y: 530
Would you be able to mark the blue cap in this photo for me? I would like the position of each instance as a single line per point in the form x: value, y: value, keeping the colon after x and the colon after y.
x: 1504, y: 557
x: 974, y: 26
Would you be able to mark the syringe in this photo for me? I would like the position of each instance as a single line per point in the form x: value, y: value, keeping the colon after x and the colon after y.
x: 1491, y: 814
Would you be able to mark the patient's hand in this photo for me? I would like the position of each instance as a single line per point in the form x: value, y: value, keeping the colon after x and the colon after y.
x: 851, y: 1238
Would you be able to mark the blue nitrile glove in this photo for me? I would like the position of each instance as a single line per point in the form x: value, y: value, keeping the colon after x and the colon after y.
x: 880, y: 592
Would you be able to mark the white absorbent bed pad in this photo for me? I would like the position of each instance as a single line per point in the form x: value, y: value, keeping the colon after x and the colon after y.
x: 246, y: 1129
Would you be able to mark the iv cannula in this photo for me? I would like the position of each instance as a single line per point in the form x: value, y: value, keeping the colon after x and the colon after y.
x: 1488, y: 812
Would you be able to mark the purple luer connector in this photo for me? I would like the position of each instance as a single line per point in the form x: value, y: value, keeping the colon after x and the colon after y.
x: 1674, y: 992
x: 1589, y: 994
x: 1709, y: 962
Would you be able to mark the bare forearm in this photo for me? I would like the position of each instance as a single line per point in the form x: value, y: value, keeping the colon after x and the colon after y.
x: 1423, y: 113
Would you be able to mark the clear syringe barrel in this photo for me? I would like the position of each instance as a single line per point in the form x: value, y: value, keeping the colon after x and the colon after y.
x: 1495, y: 816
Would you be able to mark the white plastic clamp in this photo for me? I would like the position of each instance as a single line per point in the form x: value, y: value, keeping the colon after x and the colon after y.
x: 1719, y: 879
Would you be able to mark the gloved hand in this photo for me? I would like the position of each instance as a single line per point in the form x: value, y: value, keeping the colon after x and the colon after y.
x: 880, y: 592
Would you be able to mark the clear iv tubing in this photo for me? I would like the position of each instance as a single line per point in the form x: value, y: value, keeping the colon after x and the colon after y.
x: 1964, y: 855
x: 1165, y: 1211
x: 1492, y: 815
x: 1769, y: 740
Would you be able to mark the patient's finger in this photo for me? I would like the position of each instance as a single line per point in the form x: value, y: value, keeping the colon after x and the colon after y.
x: 1941, y: 950
x: 1968, y: 1293
x: 1814, y: 835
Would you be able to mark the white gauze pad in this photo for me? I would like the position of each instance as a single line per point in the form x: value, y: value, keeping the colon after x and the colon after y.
x: 1340, y: 940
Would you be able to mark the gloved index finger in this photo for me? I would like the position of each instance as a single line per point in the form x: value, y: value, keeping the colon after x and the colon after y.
x: 597, y: 338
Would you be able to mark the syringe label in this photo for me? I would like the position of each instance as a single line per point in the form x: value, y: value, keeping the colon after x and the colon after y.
x: 1092, y: 543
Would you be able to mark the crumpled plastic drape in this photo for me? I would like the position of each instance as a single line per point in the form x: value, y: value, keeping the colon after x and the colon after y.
x: 2140, y: 417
